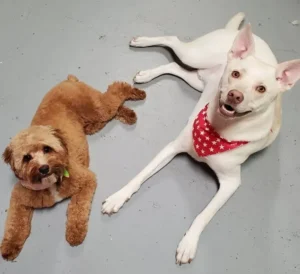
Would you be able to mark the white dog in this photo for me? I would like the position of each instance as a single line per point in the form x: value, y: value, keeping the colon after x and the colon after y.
x: 239, y: 112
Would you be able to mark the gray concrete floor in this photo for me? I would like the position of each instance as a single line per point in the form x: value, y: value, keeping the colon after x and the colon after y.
x: 256, y: 232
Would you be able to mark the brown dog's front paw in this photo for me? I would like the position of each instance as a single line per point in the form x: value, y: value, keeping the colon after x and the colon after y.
x: 10, y: 250
x: 75, y: 235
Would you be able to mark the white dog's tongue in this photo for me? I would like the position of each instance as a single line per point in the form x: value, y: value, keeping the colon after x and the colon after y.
x: 45, y: 183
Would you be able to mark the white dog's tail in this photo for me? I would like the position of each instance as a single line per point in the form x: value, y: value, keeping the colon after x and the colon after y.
x: 235, y: 22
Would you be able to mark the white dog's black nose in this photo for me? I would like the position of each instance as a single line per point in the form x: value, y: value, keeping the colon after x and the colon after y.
x: 44, y: 169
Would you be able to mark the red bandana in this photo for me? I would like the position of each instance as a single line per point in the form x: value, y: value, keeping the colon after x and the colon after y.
x: 207, y: 141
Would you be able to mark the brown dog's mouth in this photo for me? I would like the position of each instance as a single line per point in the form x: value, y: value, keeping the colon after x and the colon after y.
x: 229, y: 111
x: 44, y: 183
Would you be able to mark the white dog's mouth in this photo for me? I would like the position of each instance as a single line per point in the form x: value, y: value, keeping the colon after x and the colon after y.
x: 229, y: 111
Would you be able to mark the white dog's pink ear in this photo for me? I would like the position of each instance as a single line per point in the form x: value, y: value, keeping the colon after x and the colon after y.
x: 288, y: 73
x: 243, y: 44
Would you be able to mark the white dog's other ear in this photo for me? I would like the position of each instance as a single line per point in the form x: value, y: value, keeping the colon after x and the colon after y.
x: 288, y: 73
x: 243, y: 44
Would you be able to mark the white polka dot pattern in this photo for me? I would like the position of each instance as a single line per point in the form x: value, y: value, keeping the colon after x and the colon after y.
x: 207, y: 141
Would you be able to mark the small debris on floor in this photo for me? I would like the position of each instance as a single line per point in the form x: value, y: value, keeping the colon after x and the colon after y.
x: 295, y: 23
x: 155, y: 205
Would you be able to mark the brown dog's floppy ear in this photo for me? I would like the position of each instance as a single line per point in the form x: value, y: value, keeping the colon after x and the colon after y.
x: 59, y: 135
x: 7, y: 155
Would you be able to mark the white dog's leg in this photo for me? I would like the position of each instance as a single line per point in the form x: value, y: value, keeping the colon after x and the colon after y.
x: 190, y: 77
x: 185, y: 51
x: 229, y: 183
x: 168, y: 41
x: 113, y: 203
x: 193, y: 54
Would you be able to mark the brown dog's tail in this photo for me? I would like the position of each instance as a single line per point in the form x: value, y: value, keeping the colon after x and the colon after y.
x: 72, y: 78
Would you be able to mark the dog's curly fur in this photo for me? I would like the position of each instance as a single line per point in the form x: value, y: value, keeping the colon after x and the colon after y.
x: 57, y: 139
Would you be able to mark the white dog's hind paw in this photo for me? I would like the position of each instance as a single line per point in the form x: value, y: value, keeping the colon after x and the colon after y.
x: 139, y: 42
x: 114, y: 202
x: 186, y: 250
x: 143, y: 77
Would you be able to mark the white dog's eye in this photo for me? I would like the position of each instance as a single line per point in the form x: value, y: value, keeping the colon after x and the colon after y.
x: 235, y: 74
x: 261, y: 89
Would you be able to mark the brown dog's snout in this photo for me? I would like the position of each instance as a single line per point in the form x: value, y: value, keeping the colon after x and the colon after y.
x: 235, y: 97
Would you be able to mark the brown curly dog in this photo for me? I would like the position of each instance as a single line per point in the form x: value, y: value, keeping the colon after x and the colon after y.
x: 51, y: 157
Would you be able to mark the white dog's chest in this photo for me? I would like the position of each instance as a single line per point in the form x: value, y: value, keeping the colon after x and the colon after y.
x: 205, y: 145
x: 229, y: 159
x: 207, y: 141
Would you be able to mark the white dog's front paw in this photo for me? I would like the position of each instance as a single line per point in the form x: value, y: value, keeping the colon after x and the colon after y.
x: 114, y: 202
x: 186, y: 250
x: 139, y: 42
x: 143, y: 77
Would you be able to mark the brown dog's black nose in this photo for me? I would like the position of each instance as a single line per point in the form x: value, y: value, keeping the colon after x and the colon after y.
x: 235, y: 97
x: 44, y: 169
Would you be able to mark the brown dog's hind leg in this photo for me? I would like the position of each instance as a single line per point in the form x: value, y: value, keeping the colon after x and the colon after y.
x: 123, y: 91
x: 79, y: 209
x: 109, y: 105
x: 17, y: 230
x: 126, y: 115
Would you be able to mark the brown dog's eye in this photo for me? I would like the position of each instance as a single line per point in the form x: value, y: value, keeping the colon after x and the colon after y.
x: 235, y: 74
x: 261, y: 89
x: 27, y: 158
x: 47, y: 149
